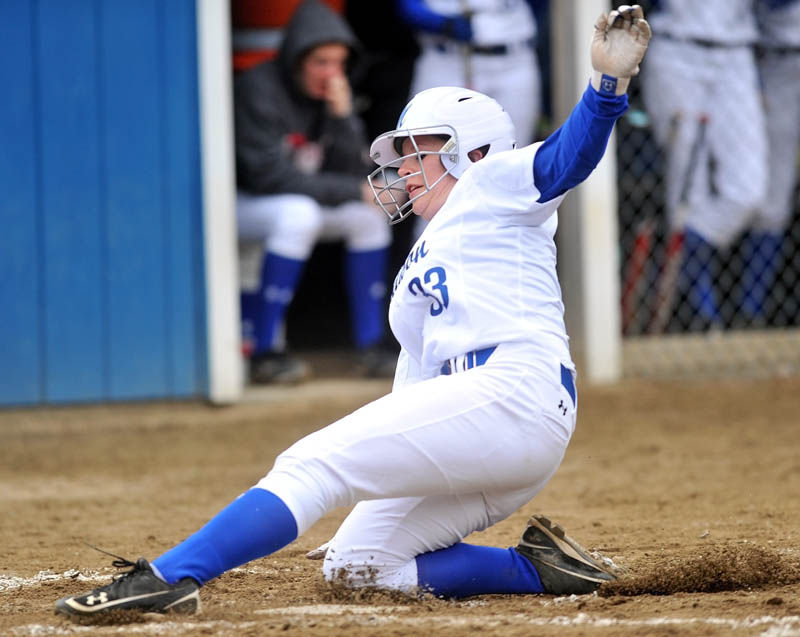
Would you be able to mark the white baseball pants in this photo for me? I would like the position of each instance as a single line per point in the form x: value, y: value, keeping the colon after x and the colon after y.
x: 428, y: 464
x: 512, y: 79
x: 290, y: 225
x: 683, y: 82
x: 780, y: 75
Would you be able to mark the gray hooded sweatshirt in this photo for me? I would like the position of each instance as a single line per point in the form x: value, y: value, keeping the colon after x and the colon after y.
x: 287, y: 142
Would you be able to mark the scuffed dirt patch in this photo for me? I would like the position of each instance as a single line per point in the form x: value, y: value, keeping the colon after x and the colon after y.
x: 712, y: 570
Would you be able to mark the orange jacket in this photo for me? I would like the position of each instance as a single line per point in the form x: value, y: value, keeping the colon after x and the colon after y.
x: 258, y: 28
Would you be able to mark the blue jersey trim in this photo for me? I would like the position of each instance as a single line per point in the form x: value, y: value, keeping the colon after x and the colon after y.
x: 568, y: 383
x: 572, y: 152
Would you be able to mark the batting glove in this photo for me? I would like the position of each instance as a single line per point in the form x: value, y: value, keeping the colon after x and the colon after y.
x: 619, y: 42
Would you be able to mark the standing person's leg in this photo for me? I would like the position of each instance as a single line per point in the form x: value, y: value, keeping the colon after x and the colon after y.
x: 289, y: 225
x: 737, y: 142
x: 780, y: 74
x: 737, y: 185
x: 368, y: 238
x: 676, y: 92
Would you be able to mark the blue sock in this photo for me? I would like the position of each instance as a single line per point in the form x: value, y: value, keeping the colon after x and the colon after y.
x: 366, y: 287
x: 279, y: 279
x: 697, y: 276
x: 463, y: 570
x: 760, y: 252
x: 254, y: 525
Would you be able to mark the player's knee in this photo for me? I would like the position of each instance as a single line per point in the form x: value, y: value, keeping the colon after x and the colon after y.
x: 365, y: 571
x: 346, y: 573
x: 297, y: 227
x: 752, y: 202
x: 367, y: 228
x: 303, y: 214
x: 773, y: 222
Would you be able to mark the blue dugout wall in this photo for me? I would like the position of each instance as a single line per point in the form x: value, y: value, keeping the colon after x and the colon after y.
x: 101, y: 247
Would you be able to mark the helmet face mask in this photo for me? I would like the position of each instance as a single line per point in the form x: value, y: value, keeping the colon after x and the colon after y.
x: 467, y: 120
x: 389, y: 188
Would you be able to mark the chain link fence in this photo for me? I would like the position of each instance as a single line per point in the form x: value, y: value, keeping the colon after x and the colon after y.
x: 709, y: 211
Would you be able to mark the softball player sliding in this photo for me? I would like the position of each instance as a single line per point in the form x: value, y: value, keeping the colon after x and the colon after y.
x: 484, y: 400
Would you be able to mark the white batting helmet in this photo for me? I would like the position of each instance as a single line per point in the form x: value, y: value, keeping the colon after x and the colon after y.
x: 467, y: 119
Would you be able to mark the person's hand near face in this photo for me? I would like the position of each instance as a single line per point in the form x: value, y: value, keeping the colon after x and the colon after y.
x: 339, y: 96
x: 322, y: 77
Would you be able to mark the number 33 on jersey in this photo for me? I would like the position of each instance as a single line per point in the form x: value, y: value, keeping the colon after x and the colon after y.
x: 430, y: 285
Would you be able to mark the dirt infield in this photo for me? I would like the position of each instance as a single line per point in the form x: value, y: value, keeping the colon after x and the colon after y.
x: 691, y: 488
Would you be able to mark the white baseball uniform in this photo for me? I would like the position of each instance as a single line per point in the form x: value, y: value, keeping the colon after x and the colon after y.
x: 477, y: 309
x: 500, y: 61
x: 701, y: 64
x: 779, y: 66
x: 484, y: 402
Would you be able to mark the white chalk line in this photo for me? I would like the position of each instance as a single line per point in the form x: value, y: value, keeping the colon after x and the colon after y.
x: 788, y: 626
x: 154, y: 628
x: 384, y: 615
x: 10, y: 582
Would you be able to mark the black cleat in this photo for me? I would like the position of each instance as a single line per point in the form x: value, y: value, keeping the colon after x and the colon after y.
x: 277, y: 368
x: 564, y: 567
x: 136, y: 590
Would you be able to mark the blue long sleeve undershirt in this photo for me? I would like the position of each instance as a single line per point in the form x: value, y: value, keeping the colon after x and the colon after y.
x: 572, y: 152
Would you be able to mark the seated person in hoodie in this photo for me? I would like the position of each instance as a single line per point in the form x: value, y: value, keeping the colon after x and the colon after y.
x: 301, y: 178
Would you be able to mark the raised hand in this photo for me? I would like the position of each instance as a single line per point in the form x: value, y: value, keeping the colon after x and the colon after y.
x: 619, y: 43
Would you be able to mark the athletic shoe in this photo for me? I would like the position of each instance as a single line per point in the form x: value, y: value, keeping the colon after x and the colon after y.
x: 136, y: 590
x: 564, y: 567
x: 277, y: 368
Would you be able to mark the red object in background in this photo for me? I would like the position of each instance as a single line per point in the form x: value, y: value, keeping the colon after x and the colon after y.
x: 248, y: 14
x: 257, y: 26
x: 633, y: 276
x: 295, y: 140
x: 667, y: 284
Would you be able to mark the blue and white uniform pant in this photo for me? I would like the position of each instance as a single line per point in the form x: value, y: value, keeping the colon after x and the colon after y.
x: 428, y: 464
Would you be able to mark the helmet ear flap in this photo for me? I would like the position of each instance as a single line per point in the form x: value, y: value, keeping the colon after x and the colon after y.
x: 450, y: 155
x: 448, y: 162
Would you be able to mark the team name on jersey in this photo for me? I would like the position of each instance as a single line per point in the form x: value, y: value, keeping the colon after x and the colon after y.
x: 417, y: 253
